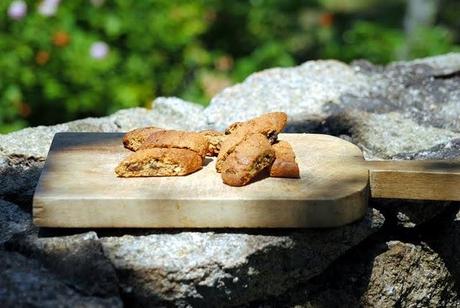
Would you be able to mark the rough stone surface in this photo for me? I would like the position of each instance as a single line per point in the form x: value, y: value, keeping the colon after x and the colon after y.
x: 409, y: 213
x: 448, y: 150
x: 77, y: 260
x: 25, y: 283
x: 303, y: 89
x: 13, y: 220
x: 395, y: 274
x: 404, y: 107
x: 387, y: 135
x: 206, y: 268
x: 405, y: 110
x: 447, y: 241
x: 442, y: 65
x: 22, y: 153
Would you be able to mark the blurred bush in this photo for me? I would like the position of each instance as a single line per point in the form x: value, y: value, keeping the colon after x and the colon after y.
x: 62, y: 60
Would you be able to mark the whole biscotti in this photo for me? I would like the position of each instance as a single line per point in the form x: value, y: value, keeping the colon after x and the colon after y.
x: 177, y: 139
x: 269, y: 125
x: 248, y: 159
x: 133, y: 139
x: 284, y: 165
x: 215, y: 139
x: 159, y: 162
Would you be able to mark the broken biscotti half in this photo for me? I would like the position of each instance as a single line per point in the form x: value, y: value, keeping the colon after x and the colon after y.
x: 159, y: 162
x: 247, y: 160
x: 215, y: 140
x: 269, y: 125
x: 177, y: 139
x: 284, y: 165
x: 133, y: 139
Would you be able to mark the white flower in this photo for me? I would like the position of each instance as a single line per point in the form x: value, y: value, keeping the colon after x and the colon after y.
x: 99, y: 50
x: 97, y: 3
x: 48, y: 7
x: 17, y: 10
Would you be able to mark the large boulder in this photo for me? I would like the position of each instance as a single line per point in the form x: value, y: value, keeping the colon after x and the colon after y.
x: 406, y: 110
x: 379, y: 275
x: 404, y: 107
x: 218, y: 268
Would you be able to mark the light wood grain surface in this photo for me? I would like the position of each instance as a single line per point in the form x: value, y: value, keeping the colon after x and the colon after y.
x: 78, y: 188
x: 415, y: 179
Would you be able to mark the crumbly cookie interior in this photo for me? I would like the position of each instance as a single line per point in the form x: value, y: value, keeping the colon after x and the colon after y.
x: 153, y: 167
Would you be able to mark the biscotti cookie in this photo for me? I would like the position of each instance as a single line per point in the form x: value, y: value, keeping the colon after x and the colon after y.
x: 249, y: 158
x: 159, y: 162
x: 284, y: 165
x: 177, y: 139
x: 133, y: 139
x: 269, y: 124
x: 215, y: 139
x: 228, y: 146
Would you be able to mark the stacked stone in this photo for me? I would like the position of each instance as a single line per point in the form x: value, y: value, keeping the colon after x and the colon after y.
x: 406, y: 110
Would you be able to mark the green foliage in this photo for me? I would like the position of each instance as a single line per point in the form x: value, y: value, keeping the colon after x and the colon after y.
x: 190, y: 49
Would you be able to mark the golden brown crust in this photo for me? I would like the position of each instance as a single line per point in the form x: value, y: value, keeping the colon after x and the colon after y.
x: 177, y: 139
x: 284, y: 165
x: 233, y: 127
x: 133, y: 139
x: 250, y: 157
x: 228, y: 146
x: 215, y: 140
x: 269, y: 124
x: 159, y: 162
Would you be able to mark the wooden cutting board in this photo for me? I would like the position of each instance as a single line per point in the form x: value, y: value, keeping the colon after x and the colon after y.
x: 78, y: 188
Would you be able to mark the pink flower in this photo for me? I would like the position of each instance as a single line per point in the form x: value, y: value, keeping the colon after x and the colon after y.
x: 17, y: 9
x: 99, y: 50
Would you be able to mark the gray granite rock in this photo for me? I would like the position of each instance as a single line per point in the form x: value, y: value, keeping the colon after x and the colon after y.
x: 389, y: 134
x: 22, y: 153
x: 25, y: 283
x: 410, y: 275
x: 404, y: 107
x: 447, y: 241
x: 448, y: 150
x: 302, y: 89
x: 76, y: 260
x: 406, y: 110
x: 394, y: 274
x: 442, y: 65
x: 167, y: 112
x: 215, y: 269
x: 13, y: 220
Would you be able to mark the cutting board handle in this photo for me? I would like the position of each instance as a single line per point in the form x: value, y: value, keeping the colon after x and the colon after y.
x: 415, y: 179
